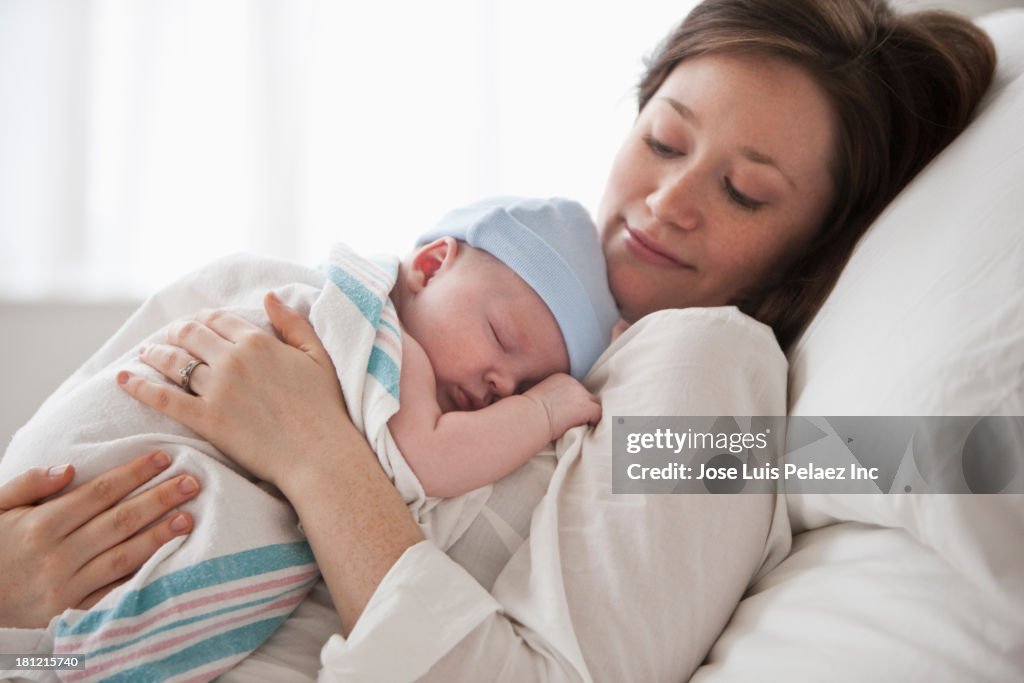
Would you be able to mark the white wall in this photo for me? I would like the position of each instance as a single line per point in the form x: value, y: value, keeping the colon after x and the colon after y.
x: 41, y: 344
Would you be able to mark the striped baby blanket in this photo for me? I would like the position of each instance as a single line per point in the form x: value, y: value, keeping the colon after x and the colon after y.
x: 204, y: 602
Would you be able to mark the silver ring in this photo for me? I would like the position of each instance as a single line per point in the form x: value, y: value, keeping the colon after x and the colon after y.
x: 186, y: 374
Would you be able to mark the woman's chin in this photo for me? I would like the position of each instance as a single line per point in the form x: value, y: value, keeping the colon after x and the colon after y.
x: 636, y: 294
x: 631, y: 311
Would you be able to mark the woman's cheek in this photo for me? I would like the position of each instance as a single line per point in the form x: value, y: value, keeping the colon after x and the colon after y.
x: 626, y: 184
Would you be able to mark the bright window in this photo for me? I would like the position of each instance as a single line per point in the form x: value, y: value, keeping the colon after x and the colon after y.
x: 140, y: 139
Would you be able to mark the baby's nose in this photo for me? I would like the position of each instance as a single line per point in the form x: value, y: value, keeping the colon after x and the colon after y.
x: 501, y: 384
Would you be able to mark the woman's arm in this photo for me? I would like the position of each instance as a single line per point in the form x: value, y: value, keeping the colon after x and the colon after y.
x: 72, y: 550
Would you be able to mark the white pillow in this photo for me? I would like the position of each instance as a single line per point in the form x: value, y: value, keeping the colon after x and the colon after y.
x: 928, y: 316
x: 855, y: 603
x: 928, y: 319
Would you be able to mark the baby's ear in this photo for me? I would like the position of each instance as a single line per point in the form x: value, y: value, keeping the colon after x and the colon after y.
x: 430, y: 259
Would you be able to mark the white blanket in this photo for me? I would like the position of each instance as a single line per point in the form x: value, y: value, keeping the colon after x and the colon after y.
x: 204, y: 602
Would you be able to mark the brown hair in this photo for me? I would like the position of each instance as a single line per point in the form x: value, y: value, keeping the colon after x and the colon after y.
x: 901, y: 87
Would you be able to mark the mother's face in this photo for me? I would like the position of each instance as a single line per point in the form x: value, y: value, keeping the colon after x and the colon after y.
x: 723, y: 178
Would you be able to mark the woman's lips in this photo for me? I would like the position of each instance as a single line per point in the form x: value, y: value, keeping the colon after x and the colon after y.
x: 646, y: 249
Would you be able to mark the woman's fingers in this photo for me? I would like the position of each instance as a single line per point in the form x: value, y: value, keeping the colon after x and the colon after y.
x: 197, y: 339
x: 207, y: 338
x: 110, y: 568
x: 295, y: 329
x: 172, y: 362
x: 78, y: 507
x: 171, y: 401
x: 123, y: 522
x: 47, y: 545
x: 210, y: 334
x: 228, y: 325
x: 34, y: 485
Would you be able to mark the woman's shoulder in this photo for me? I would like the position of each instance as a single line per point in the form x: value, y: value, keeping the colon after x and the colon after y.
x: 723, y: 329
x: 717, y: 315
x: 698, y: 360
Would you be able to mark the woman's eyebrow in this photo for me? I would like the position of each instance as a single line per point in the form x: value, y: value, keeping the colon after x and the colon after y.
x: 682, y: 109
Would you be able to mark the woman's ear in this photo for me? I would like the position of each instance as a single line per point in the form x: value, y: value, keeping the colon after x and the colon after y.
x: 430, y: 259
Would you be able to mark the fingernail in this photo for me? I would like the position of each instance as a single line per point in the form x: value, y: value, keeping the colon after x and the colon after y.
x: 273, y: 297
x: 123, y: 377
x: 160, y: 460
x: 179, y: 523
x: 188, y: 485
x: 143, y: 349
x: 57, y: 471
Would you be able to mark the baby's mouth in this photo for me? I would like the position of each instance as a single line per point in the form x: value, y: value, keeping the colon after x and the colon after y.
x: 461, y: 399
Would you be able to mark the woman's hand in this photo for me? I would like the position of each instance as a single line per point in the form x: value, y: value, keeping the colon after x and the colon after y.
x: 267, y: 404
x: 74, y: 549
x: 277, y: 409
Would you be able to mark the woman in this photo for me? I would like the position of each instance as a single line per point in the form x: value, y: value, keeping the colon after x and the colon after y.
x: 769, y: 136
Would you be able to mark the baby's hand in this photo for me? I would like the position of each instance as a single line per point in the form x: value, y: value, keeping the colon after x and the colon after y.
x: 566, y: 402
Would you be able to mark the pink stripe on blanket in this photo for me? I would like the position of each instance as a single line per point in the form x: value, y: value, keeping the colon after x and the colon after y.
x: 177, y: 640
x: 388, y: 345
x: 95, y: 641
x: 381, y: 280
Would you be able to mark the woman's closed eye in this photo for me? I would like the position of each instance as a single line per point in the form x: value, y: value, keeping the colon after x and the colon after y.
x: 661, y: 149
x: 740, y: 199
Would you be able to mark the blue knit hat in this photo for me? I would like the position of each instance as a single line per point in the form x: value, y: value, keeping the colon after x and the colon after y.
x: 553, y: 245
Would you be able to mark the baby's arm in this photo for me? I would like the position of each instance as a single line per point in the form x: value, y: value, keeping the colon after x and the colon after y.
x: 455, y: 452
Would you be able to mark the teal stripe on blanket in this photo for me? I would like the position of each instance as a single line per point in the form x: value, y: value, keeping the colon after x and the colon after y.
x: 248, y: 606
x: 367, y: 301
x: 241, y: 565
x: 381, y: 367
x: 239, y: 640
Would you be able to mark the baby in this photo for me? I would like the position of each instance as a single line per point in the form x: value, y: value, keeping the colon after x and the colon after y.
x: 474, y: 332
x: 498, y: 303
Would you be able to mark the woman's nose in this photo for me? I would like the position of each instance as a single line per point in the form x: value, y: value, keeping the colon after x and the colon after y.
x: 677, y: 199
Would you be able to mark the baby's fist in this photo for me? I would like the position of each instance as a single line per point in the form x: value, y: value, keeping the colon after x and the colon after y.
x: 566, y: 402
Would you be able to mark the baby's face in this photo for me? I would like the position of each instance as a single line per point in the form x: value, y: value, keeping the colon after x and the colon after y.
x: 486, y: 332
